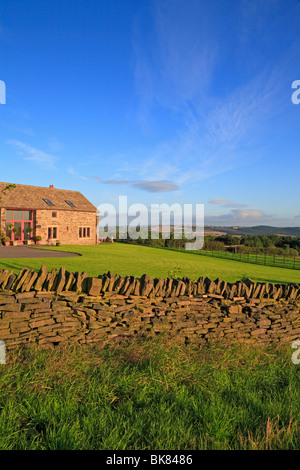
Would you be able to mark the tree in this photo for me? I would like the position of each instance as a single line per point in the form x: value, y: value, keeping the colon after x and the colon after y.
x: 228, y: 239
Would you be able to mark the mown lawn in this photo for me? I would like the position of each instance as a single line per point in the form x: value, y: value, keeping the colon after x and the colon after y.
x: 136, y: 260
x: 150, y: 395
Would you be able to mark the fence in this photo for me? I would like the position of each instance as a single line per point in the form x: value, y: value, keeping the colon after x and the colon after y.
x: 289, y: 262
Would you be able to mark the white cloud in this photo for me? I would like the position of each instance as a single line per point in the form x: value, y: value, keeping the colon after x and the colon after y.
x: 39, y: 157
x: 240, y: 217
x: 248, y: 214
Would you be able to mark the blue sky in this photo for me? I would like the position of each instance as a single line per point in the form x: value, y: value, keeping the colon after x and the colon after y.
x: 164, y: 101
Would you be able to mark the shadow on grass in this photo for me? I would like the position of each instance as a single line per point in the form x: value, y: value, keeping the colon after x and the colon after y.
x: 15, y: 266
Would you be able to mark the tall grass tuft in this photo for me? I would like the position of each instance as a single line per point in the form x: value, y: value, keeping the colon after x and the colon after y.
x: 150, y: 394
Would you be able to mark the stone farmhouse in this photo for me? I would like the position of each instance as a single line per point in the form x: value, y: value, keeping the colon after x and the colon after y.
x: 54, y: 214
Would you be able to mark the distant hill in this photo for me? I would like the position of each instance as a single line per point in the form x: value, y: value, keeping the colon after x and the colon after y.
x: 257, y: 230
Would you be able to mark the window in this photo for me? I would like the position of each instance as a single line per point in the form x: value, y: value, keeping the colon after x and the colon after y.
x: 18, y: 215
x: 52, y: 232
x: 84, y: 232
x: 27, y: 215
x: 12, y: 214
x: 54, y: 214
x: 18, y: 223
x: 47, y: 201
x: 70, y: 203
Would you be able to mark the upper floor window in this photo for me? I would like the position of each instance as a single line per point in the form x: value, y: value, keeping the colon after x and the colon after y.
x: 54, y: 214
x: 12, y: 214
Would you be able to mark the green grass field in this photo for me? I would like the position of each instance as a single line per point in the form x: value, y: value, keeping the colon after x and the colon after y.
x: 136, y: 260
x: 150, y: 395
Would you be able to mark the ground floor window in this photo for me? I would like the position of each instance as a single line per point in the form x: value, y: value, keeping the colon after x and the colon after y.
x: 52, y: 232
x: 19, y: 224
x: 84, y: 232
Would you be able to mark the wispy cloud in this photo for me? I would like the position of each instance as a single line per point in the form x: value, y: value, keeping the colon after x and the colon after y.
x: 219, y: 128
x: 161, y: 186
x: 39, y: 157
x: 55, y: 145
x: 226, y: 203
x: 156, y: 186
x: 73, y: 172
x: 175, y: 58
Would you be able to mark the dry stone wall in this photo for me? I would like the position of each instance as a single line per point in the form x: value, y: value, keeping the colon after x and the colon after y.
x: 53, y: 308
x: 65, y: 281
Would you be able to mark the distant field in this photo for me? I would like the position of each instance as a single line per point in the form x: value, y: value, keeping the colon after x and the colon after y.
x: 136, y: 260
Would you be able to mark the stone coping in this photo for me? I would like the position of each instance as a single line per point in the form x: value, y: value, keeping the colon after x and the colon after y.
x: 61, y: 280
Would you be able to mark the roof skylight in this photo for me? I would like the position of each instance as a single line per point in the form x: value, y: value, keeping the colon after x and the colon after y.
x: 70, y: 203
x: 47, y: 201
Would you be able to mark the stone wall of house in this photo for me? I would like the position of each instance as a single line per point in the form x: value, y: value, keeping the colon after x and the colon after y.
x: 2, y: 219
x: 67, y: 223
x: 53, y: 308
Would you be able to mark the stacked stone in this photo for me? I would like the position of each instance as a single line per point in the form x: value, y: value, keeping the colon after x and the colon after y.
x: 65, y: 281
x: 50, y: 319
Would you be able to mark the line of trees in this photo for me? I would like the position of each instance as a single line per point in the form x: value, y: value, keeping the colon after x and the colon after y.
x: 269, y: 244
x: 170, y: 242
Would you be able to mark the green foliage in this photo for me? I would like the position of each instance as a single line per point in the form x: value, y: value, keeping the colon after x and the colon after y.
x: 273, y: 244
x: 175, y: 272
x: 7, y: 188
x: 215, y: 245
x: 228, y: 239
x: 266, y: 244
x: 162, y: 240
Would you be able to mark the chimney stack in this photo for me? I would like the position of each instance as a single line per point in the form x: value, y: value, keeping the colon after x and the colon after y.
x: 51, y: 186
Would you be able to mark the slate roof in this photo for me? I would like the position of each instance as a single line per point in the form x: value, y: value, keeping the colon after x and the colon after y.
x: 32, y: 197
